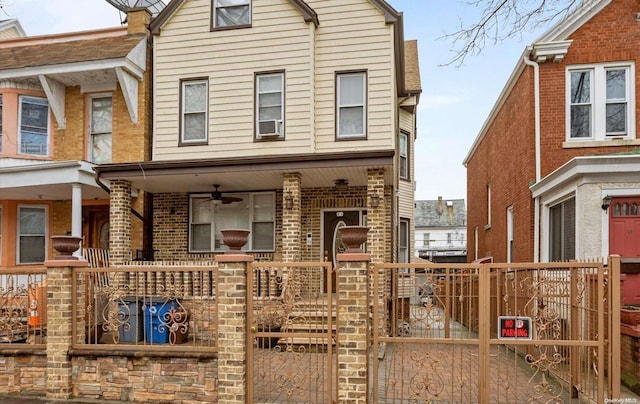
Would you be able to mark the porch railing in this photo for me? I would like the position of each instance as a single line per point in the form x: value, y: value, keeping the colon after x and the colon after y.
x: 23, y: 310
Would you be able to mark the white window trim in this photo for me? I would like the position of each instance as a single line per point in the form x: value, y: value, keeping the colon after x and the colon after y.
x: 48, y: 143
x: 215, y: 16
x: 183, y: 85
x: 404, y: 154
x: 488, y: 225
x: 509, y: 233
x: 339, y: 106
x: 407, y: 255
x: 545, y: 218
x: 18, y: 234
x: 598, y: 100
x: 91, y: 157
x: 280, y: 127
x: 249, y: 245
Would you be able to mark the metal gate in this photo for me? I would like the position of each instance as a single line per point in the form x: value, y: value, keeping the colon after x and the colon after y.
x: 291, y: 354
x: 494, y: 333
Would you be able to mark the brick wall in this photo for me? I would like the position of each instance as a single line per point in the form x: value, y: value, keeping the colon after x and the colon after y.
x: 506, y: 156
x: 24, y: 374
x: 630, y: 362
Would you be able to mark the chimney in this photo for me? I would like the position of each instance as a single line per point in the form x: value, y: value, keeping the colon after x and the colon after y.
x: 439, y: 205
x: 138, y: 20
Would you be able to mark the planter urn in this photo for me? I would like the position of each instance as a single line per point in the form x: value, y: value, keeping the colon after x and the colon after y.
x: 66, y: 246
x: 353, y: 237
x: 235, y: 239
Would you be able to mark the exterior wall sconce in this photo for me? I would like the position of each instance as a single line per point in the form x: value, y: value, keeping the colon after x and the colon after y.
x: 375, y: 200
x: 606, y: 202
x: 288, y: 202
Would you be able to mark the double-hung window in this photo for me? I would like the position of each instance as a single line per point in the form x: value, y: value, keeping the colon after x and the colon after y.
x: 600, y: 102
x: 100, y: 130
x: 404, y: 155
x: 255, y: 211
x: 34, y: 126
x: 231, y: 13
x: 31, y: 234
x: 270, y: 106
x: 562, y: 231
x: 403, y: 241
x: 351, y: 105
x: 194, y: 101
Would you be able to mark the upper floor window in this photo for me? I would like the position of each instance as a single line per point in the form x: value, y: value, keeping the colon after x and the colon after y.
x: 599, y: 102
x: 270, y: 106
x: 34, y: 126
x: 351, y: 105
x: 0, y: 122
x: 254, y: 211
x: 100, y: 130
x: 231, y: 13
x: 194, y: 96
x: 404, y: 155
x: 31, y: 234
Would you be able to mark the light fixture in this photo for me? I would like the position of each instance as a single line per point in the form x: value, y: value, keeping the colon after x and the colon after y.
x: 375, y: 200
x: 342, y: 184
x: 288, y: 201
x: 606, y: 202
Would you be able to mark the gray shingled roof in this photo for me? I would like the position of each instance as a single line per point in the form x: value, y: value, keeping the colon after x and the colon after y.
x: 428, y: 214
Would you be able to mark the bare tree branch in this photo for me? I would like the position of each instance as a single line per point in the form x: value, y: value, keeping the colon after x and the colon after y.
x: 503, y: 19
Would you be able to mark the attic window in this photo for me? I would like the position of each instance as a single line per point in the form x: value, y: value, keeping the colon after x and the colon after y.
x: 231, y: 13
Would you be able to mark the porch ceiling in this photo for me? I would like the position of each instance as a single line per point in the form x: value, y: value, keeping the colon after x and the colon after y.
x: 249, y: 174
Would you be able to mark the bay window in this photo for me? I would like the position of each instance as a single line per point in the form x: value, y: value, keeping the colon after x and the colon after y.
x: 562, y: 231
x: 256, y: 212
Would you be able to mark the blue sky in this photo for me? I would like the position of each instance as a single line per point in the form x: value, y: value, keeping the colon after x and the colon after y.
x: 454, y: 104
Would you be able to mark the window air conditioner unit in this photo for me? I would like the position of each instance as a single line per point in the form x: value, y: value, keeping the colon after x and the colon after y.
x: 272, y: 128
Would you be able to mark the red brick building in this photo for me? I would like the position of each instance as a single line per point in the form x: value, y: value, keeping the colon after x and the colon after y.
x: 561, y: 144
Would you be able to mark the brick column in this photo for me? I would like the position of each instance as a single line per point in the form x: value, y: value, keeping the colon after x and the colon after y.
x: 59, y: 327
x: 353, y: 327
x: 232, y: 327
x: 376, y: 215
x: 120, y: 222
x: 291, y: 217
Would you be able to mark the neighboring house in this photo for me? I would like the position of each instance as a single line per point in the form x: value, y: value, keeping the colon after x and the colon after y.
x: 441, y: 230
x: 554, y: 173
x: 67, y: 103
x: 285, y: 117
x: 11, y: 29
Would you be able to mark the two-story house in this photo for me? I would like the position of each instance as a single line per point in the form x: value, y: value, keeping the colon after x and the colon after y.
x: 287, y: 118
x: 67, y: 103
x: 441, y: 230
x: 554, y: 173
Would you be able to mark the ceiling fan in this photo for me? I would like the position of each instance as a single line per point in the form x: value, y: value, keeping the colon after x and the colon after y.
x: 217, y: 196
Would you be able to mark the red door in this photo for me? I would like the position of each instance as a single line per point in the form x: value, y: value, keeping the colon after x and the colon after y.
x: 624, y: 227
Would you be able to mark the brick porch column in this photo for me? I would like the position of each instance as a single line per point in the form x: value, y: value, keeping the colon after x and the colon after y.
x: 120, y: 222
x: 291, y: 217
x: 59, y: 327
x: 232, y: 327
x: 353, y: 327
x: 376, y: 215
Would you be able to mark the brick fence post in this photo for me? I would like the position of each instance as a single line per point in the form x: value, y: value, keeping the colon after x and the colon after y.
x: 232, y: 327
x: 353, y: 327
x: 59, y: 326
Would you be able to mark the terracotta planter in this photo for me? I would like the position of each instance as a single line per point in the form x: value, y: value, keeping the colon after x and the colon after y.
x: 235, y: 239
x: 630, y: 315
x: 66, y: 246
x: 353, y: 237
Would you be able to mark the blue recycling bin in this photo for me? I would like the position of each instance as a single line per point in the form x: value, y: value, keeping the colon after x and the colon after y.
x: 157, y: 319
x: 130, y: 319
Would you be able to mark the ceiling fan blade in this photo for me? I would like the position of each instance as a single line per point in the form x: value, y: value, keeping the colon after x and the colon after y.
x: 230, y: 199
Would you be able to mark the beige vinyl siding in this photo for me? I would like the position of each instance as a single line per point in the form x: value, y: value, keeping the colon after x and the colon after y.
x: 352, y: 35
x: 10, y: 33
x: 278, y: 40
x: 406, y: 191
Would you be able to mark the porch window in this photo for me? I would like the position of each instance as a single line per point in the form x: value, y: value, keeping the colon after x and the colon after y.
x: 351, y: 105
x: 34, y: 126
x: 31, y: 234
x: 255, y: 212
x: 270, y: 106
x: 231, y: 13
x: 599, y: 104
x: 403, y: 241
x: 562, y: 231
x: 194, y: 111
x: 100, y: 130
x: 404, y: 155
